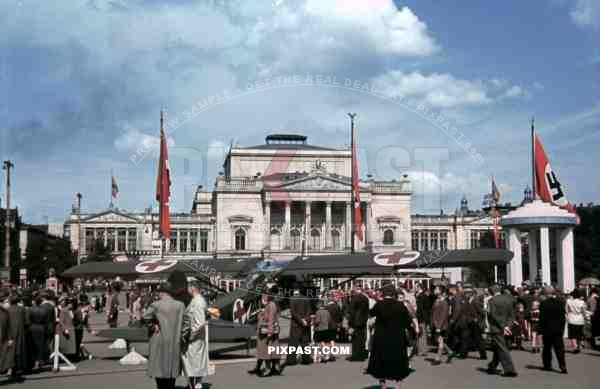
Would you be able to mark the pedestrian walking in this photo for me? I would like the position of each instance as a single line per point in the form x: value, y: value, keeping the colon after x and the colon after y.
x: 193, y: 334
x: 552, y: 327
x: 501, y: 315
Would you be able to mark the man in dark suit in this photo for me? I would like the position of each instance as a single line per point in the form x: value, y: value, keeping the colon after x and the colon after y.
x: 552, y: 327
x: 500, y: 316
x: 358, y: 316
x: 300, y: 310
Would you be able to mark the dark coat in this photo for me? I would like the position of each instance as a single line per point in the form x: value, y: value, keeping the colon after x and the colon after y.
x: 359, y: 311
x: 501, y: 313
x: 335, y: 315
x: 424, y: 307
x: 18, y: 327
x: 40, y: 316
x: 6, y: 358
x: 388, y: 358
x: 300, y: 309
x: 552, y: 317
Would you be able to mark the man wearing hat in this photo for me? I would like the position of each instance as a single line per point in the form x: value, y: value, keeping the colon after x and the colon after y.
x: 358, y: 317
x: 552, y: 326
x: 166, y: 316
x: 193, y: 333
x: 501, y: 315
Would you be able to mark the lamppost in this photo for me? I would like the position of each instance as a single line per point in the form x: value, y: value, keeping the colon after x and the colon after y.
x: 7, y: 166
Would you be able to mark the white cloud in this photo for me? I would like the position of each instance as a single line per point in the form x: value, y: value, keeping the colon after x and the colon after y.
x: 515, y: 91
x: 586, y: 13
x: 132, y: 139
x: 388, y: 29
x: 437, y: 90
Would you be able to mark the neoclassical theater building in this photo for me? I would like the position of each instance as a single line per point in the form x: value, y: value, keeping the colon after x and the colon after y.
x: 279, y: 200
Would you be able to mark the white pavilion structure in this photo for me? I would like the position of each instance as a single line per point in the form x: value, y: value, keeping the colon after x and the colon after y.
x: 550, y: 231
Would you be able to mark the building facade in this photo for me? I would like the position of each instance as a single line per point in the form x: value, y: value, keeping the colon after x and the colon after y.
x: 282, y: 199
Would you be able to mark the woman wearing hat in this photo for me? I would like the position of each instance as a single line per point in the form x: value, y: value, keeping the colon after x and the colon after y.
x: 389, y: 359
x: 268, y: 336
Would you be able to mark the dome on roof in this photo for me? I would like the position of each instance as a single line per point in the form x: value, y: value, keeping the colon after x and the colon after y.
x: 539, y: 212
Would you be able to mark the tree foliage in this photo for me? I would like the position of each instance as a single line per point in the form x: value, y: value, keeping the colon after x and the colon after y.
x: 587, y: 242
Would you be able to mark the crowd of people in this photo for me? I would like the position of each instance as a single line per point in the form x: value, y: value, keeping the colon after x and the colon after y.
x: 29, y: 322
x: 389, y: 326
x: 386, y: 327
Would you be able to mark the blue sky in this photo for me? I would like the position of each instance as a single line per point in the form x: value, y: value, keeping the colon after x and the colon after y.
x: 83, y: 82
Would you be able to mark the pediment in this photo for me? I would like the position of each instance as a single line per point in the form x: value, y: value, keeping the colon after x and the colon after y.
x: 112, y: 216
x: 316, y: 182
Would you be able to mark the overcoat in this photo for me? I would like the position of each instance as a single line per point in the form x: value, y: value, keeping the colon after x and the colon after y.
x: 193, y: 332
x: 165, y: 343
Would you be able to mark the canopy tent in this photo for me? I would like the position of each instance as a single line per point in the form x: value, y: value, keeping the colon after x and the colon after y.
x: 200, y: 268
x: 589, y: 281
x: 388, y: 263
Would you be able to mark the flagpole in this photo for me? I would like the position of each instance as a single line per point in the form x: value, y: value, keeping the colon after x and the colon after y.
x: 533, y: 190
x: 352, y: 232
x: 163, y: 241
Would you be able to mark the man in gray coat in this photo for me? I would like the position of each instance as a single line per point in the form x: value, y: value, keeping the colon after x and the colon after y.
x: 166, y: 317
x: 195, y: 345
x: 500, y: 317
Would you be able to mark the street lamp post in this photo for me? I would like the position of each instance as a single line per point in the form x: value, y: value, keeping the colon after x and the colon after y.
x: 7, y: 166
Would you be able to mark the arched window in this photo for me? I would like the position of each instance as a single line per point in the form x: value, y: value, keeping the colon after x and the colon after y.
x: 335, y: 240
x: 388, y: 237
x: 295, y: 240
x: 315, y: 240
x: 275, y: 240
x: 240, y: 239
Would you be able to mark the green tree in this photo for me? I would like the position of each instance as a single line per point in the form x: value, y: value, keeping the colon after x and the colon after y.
x: 587, y: 242
x: 44, y: 252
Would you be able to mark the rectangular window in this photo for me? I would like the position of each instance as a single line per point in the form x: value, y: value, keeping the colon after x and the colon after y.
x: 194, y: 241
x: 443, y: 241
x: 424, y: 240
x: 475, y: 243
x: 415, y: 240
x: 132, y: 239
x: 110, y: 239
x: 183, y: 243
x: 89, y: 239
x: 433, y: 239
x: 173, y: 241
x: 204, y: 241
x: 121, y: 239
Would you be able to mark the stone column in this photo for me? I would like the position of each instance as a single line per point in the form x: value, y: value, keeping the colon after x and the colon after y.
x: 188, y: 247
x: 368, y: 223
x: 126, y: 239
x: 565, y: 259
x: 545, y: 254
x: 533, y: 247
x: 267, y: 226
x: 515, y: 277
x: 328, y: 225
x: 348, y: 224
x: 307, y: 222
x: 287, y: 225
